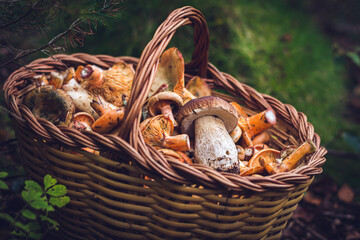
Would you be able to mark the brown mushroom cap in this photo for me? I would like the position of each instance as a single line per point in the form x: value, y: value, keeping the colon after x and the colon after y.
x: 173, y: 98
x: 170, y: 71
x: 198, y: 87
x: 55, y: 105
x: 207, y: 106
x: 82, y: 121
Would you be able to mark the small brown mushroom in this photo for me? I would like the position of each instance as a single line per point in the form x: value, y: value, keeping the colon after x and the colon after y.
x: 54, y: 105
x: 236, y: 134
x: 92, y: 79
x: 241, y: 153
x: 209, y: 120
x: 82, y: 121
x: 268, y: 154
x: 165, y: 103
x: 267, y: 159
x: 187, y: 96
x: 261, y: 138
x: 157, y: 132
x: 56, y: 79
x: 198, y: 87
x: 69, y: 74
x: 40, y: 80
x: 108, y: 121
x: 101, y: 106
x: 250, y: 151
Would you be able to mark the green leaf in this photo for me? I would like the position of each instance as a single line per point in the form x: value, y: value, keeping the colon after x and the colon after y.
x: 36, y: 235
x: 57, y: 191
x: 36, y: 200
x: 52, y: 222
x: 18, y: 233
x: 354, y: 57
x: 6, y: 217
x: 32, y: 185
x: 3, y: 174
x: 29, y: 214
x: 21, y: 226
x: 33, y: 226
x: 31, y: 195
x: 59, y: 201
x: 41, y: 204
x: 49, y: 181
x: 3, y: 185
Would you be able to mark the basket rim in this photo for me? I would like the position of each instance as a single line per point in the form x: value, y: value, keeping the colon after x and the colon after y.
x: 15, y: 85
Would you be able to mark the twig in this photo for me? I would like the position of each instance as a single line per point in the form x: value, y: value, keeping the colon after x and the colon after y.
x: 75, y: 24
x: 314, y: 233
x: 18, y: 19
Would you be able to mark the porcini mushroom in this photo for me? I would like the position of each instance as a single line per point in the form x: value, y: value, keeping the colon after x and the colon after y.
x: 52, y: 104
x: 210, y: 119
x: 164, y: 103
x: 157, y: 132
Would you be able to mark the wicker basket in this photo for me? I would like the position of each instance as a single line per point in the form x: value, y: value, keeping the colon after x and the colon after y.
x: 110, y: 199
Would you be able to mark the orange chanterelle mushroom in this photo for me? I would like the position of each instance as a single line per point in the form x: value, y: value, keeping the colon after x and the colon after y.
x: 114, y: 84
x: 157, y: 132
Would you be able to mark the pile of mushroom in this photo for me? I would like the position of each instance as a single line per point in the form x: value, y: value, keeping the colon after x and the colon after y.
x: 87, y: 99
x: 182, y: 122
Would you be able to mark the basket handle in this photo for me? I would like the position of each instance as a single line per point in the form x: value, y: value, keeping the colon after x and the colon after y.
x: 149, y: 61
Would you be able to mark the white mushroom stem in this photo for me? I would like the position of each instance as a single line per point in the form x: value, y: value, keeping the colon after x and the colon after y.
x: 214, y: 146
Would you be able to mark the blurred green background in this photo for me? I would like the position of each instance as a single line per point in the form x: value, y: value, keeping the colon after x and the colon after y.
x: 292, y: 50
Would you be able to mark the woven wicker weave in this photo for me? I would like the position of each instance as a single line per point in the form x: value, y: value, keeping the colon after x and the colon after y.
x: 111, y: 199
